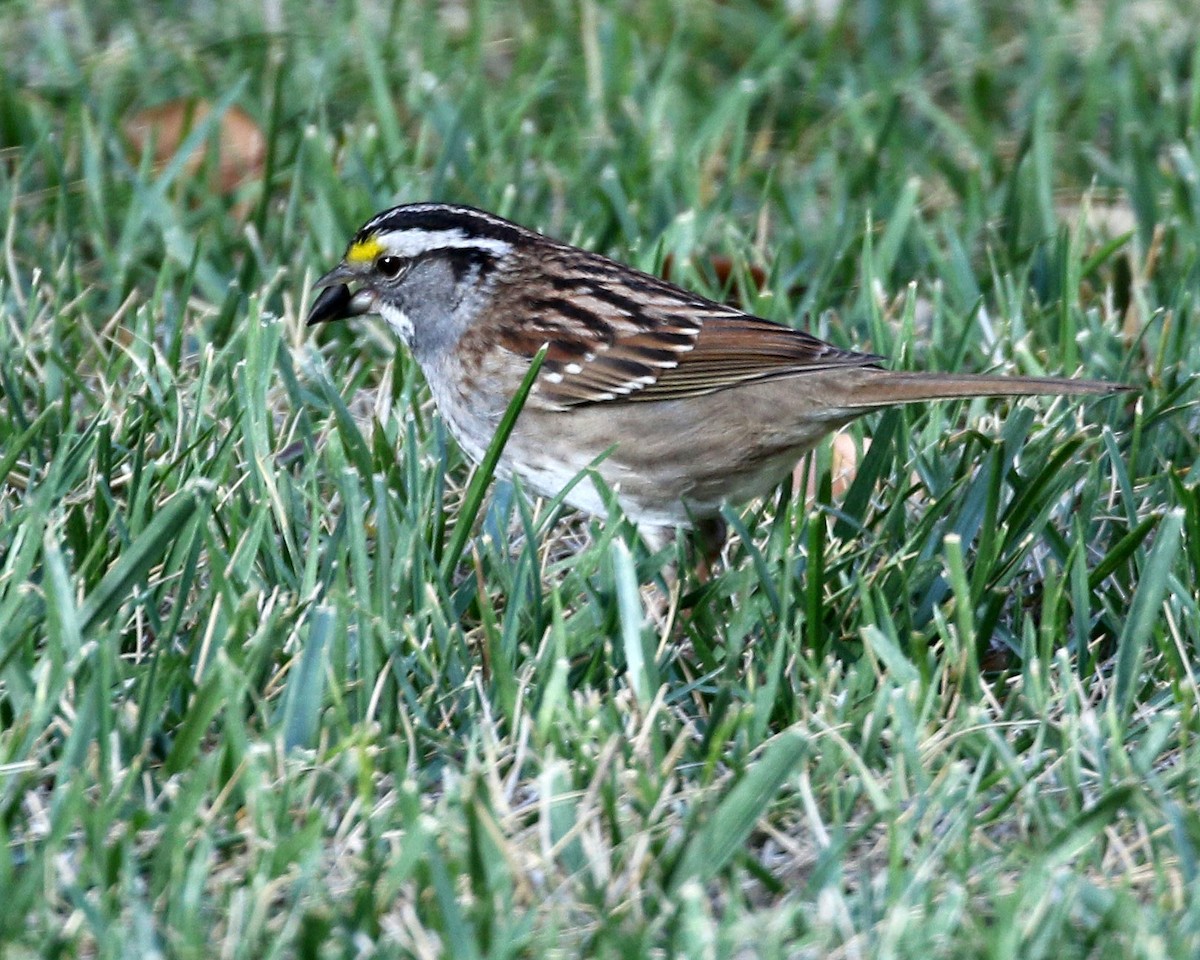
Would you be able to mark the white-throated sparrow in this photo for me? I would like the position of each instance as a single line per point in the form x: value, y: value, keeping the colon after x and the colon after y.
x: 686, y: 402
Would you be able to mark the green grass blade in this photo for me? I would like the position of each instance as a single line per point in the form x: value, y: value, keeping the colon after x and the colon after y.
x: 305, y: 693
x: 148, y: 549
x: 715, y: 842
x: 638, y: 659
x: 473, y: 499
x: 1146, y: 610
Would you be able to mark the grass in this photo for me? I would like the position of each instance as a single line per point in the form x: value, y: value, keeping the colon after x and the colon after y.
x: 259, y: 696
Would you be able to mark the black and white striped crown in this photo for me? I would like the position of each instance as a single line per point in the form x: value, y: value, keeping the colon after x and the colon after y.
x: 414, y: 229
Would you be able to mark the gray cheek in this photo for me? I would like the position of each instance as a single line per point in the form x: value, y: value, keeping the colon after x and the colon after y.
x: 438, y: 307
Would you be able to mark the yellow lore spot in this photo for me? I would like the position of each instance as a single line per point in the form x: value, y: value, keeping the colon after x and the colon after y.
x: 364, y: 251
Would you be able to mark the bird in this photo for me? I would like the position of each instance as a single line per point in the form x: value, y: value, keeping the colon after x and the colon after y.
x: 679, y: 403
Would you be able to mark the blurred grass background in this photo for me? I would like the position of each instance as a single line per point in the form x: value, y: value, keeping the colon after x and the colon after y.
x: 248, y: 708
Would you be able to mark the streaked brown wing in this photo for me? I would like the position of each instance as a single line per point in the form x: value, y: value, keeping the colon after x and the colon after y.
x: 616, y: 334
x: 732, y: 350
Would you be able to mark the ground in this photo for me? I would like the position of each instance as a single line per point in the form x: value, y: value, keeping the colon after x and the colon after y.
x: 274, y: 681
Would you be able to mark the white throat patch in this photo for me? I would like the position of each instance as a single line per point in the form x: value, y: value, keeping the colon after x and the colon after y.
x: 398, y: 320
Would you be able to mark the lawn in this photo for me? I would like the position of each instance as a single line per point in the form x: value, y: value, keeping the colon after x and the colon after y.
x: 272, y: 686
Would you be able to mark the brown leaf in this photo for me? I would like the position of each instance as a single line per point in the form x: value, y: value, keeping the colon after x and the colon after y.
x: 241, y: 146
x: 721, y: 268
x: 842, y: 470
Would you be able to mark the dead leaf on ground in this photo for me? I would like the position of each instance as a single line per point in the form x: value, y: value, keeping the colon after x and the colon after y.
x: 722, y: 269
x: 842, y: 470
x: 242, y: 148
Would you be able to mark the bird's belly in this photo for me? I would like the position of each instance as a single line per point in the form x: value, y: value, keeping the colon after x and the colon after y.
x: 664, y: 461
x: 667, y: 462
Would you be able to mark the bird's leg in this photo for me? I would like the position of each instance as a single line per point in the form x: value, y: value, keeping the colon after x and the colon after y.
x: 654, y: 537
x: 708, y: 540
x: 705, y: 541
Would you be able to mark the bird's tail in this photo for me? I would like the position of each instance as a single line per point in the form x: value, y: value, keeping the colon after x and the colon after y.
x: 886, y: 387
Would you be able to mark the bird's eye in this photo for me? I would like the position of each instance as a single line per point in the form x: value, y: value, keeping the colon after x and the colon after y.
x: 390, y: 267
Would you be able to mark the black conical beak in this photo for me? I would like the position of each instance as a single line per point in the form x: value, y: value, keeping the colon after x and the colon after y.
x: 336, y: 302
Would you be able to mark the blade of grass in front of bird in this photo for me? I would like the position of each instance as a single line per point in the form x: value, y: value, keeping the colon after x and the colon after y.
x: 762, y: 571
x: 473, y: 499
x: 876, y: 461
